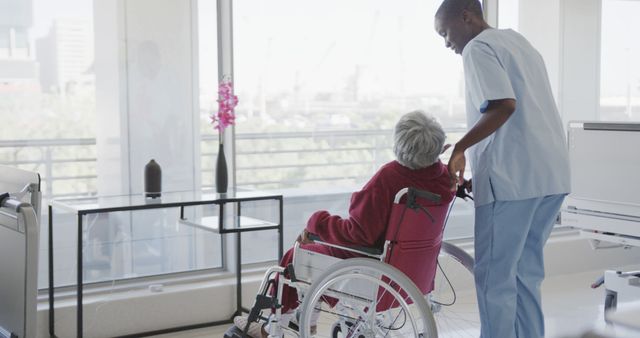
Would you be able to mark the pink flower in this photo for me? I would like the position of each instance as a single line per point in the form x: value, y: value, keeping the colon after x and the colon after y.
x: 226, y: 104
x: 225, y: 88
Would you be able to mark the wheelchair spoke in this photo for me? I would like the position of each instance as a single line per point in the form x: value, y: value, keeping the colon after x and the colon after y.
x: 366, y: 298
x: 453, y: 301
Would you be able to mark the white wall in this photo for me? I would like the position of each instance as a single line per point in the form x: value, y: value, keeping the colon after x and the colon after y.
x: 580, y: 59
x: 539, y: 21
x: 567, y: 34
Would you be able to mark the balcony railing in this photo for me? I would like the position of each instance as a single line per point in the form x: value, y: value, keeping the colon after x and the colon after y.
x: 264, y: 160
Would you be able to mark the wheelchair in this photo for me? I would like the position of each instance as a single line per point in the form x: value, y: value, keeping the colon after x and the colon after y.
x: 399, y: 290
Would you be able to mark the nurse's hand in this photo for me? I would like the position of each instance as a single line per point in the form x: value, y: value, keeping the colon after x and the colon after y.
x: 456, y: 166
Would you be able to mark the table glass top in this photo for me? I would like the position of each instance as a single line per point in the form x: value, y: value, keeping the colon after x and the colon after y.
x: 168, y: 199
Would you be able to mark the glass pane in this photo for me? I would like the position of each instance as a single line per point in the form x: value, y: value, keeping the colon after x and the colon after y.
x: 619, y: 70
x: 321, y: 85
x: 208, y: 73
x: 48, y: 105
x: 5, y: 41
x: 508, y: 14
x: 318, y: 100
x: 21, y: 38
x: 130, y: 244
x: 47, y: 101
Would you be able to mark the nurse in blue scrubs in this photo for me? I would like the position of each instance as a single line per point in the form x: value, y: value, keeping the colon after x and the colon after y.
x: 517, y: 151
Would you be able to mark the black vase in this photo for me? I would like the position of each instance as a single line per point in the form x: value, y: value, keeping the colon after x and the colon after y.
x: 152, y: 179
x: 222, y: 180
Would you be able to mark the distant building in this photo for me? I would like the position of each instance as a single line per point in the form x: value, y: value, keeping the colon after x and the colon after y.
x: 66, y: 56
x: 18, y: 69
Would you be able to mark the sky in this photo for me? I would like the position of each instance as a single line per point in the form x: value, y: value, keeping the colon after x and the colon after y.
x: 304, y: 41
x: 317, y: 46
x: 45, y: 11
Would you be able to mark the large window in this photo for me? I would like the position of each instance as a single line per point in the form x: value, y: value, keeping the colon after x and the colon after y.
x: 508, y: 14
x: 90, y: 91
x: 66, y: 68
x: 326, y: 81
x: 620, y: 52
x: 321, y: 85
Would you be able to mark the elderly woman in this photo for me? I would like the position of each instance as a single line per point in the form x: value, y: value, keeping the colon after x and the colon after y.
x: 418, y: 142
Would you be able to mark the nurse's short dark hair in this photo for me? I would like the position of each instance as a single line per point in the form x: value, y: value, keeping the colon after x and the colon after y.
x: 418, y: 140
x: 453, y: 8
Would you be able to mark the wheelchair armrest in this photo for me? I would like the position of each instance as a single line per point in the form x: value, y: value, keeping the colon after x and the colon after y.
x: 373, y: 252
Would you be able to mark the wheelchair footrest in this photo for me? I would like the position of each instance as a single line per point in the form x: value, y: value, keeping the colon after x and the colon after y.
x: 262, y: 302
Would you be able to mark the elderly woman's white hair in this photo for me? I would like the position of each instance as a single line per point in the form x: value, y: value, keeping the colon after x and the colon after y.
x: 418, y: 140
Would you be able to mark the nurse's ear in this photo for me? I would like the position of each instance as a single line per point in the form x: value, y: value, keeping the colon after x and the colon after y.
x: 466, y: 17
x: 446, y: 146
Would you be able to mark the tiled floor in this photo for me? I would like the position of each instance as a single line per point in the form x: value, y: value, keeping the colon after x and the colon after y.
x: 571, y: 308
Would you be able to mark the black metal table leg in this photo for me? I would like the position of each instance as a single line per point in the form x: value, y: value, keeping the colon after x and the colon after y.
x: 51, y: 305
x: 239, y: 264
x: 79, y: 281
x: 238, y: 276
x: 280, y: 231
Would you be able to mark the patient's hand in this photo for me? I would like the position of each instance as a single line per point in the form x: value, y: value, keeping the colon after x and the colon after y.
x: 303, y: 238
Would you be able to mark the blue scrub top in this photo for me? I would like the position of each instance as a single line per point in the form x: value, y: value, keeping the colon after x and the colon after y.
x: 527, y: 156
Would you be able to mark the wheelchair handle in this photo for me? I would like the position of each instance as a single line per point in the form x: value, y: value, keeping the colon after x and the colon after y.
x: 462, y: 193
x: 376, y: 252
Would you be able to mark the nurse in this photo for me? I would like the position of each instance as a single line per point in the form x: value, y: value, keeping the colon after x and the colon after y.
x: 518, y: 156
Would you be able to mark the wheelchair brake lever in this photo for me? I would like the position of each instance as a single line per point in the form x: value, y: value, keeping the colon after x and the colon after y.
x: 462, y: 192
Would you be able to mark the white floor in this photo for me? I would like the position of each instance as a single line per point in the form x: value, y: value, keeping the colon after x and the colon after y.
x: 571, y: 308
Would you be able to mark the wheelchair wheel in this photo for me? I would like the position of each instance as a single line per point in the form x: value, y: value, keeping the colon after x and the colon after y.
x: 361, y: 297
x: 453, y: 299
x: 336, y: 330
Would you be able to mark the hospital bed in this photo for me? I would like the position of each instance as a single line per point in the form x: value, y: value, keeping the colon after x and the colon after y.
x: 19, y: 213
x: 604, y: 202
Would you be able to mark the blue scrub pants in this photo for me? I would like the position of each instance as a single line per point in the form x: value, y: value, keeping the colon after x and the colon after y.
x: 509, y: 268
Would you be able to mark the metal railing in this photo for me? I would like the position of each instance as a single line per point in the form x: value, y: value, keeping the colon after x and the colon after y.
x: 264, y: 160
x: 40, y: 156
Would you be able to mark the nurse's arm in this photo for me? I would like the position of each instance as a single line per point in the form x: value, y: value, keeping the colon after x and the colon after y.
x: 496, y: 114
